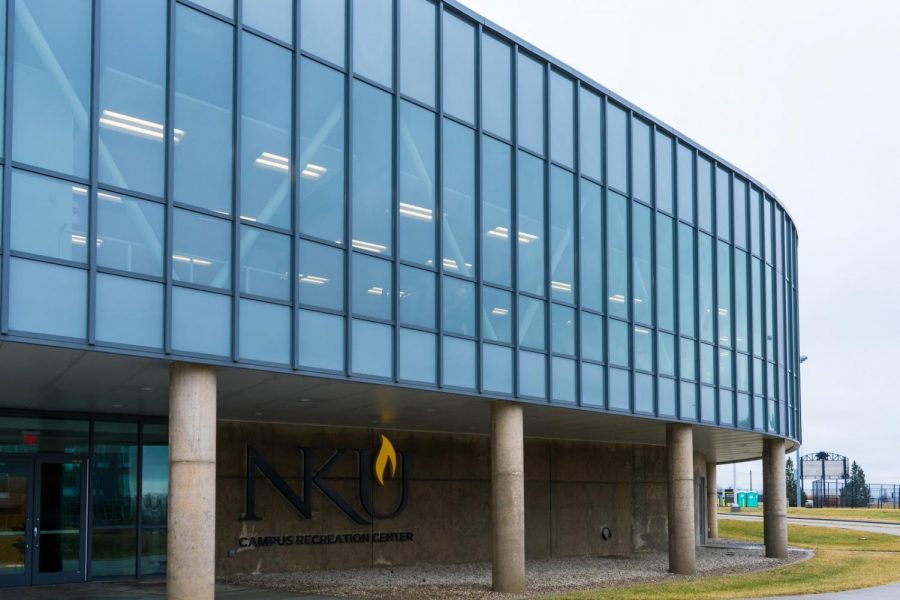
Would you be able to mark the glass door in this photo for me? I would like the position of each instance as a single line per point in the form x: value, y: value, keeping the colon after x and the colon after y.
x: 59, y: 507
x: 15, y: 521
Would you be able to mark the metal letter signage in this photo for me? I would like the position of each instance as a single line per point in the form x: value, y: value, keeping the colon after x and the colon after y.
x: 384, y: 466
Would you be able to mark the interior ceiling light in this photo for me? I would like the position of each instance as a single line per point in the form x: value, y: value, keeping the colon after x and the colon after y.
x: 526, y: 238
x: 371, y: 247
x: 414, y: 211
x: 498, y: 232
x: 188, y: 259
x: 313, y: 279
x: 138, y: 127
x: 273, y: 162
x: 500, y: 312
x: 561, y: 286
x: 312, y: 171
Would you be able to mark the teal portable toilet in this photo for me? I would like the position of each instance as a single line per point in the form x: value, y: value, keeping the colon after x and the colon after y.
x: 742, y: 499
x: 752, y: 500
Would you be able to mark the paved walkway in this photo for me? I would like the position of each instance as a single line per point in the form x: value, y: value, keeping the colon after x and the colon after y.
x: 868, y: 526
x: 884, y: 592
x: 141, y: 590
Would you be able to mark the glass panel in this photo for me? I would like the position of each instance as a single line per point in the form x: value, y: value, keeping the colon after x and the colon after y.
x: 265, y: 332
x: 723, y: 204
x: 643, y: 349
x: 619, y: 343
x: 496, y: 320
x: 564, y: 379
x: 563, y: 329
x: 458, y: 363
x: 496, y: 198
x: 59, y: 531
x: 665, y: 273
x: 687, y: 358
x: 531, y: 224
x: 640, y: 156
x: 45, y: 298
x: 416, y: 356
x: 685, y: 175
x: 320, y: 281
x: 758, y: 409
x: 155, y: 476
x: 496, y: 87
x: 617, y: 147
x: 707, y: 404
x: 497, y: 368
x: 417, y: 48
x: 530, y: 103
x: 705, y: 285
x: 665, y: 354
x: 373, y: 34
x: 321, y: 181
x: 416, y: 296
x: 372, y: 166
x: 591, y: 254
x: 590, y: 138
x: 312, y: 329
x: 130, y: 234
x: 371, y: 287
x: 666, y: 390
x: 113, y: 552
x: 459, y: 306
x: 663, y: 151
x: 562, y: 119
x: 274, y: 17
x: 458, y: 200
x: 686, y: 305
x: 619, y: 389
x: 322, y: 29
x: 707, y: 364
x: 201, y: 322
x: 642, y: 261
x: 725, y: 378
x: 744, y: 411
x: 224, y: 7
x: 132, y: 94
x: 770, y: 313
x: 562, y: 234
x: 14, y: 476
x: 740, y: 300
x: 129, y: 311
x: 756, y: 294
x: 755, y: 208
x: 265, y: 263
x: 617, y: 255
x: 372, y: 349
x: 153, y: 552
x: 724, y: 293
x: 49, y: 217
x: 643, y: 393
x: 592, y: 346
x: 743, y: 372
x: 688, y: 401
x: 592, y: 385
x: 203, y: 108
x: 531, y: 323
x: 114, y: 487
x: 704, y: 193
x: 532, y: 374
x: 201, y: 251
x: 266, y: 117
x: 34, y: 434
x: 739, y: 198
x: 459, y: 67
x: 52, y: 90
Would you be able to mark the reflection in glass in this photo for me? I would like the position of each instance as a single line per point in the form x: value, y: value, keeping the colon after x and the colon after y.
x: 321, y: 131
x: 201, y: 251
x: 590, y: 137
x: 664, y: 185
x: 458, y: 200
x: 707, y: 364
x: 592, y: 345
x: 665, y: 273
x: 617, y: 255
x: 417, y: 49
x: 13, y: 523
x: 203, y: 107
x: 496, y: 90
x: 132, y: 95
x: 563, y: 329
x: 459, y: 306
x: 320, y: 280
x: 591, y: 252
x: 562, y: 121
x: 49, y: 217
x: 619, y: 389
x: 723, y: 204
x: 531, y: 323
x: 265, y: 263
x: 274, y: 17
x: 687, y: 359
x: 723, y: 261
x: 496, y: 199
x: 619, y: 343
x: 52, y: 85
x: 371, y: 287
x: 530, y: 103
x: 686, y: 305
x: 496, y: 317
x: 531, y: 224
x: 666, y: 397
x: 265, y: 132
x: 685, y: 176
x: 705, y: 285
x: 562, y: 234
x: 707, y: 404
x: 688, y: 401
x: 665, y: 353
x: 416, y: 296
x: 616, y: 147
x: 265, y: 332
x: 372, y: 167
x: 640, y: 156
x: 322, y: 25
x: 458, y: 70
x: 373, y: 34
x: 704, y: 193
x: 643, y: 348
x: 642, y: 261
x: 643, y: 393
x: 130, y: 234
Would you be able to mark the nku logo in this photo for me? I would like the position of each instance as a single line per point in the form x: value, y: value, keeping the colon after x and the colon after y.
x: 383, y: 466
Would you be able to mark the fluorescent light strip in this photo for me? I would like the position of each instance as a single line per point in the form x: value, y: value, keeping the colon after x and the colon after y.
x: 449, y: 263
x: 313, y: 279
x: 641, y: 331
x: 375, y: 291
x: 275, y: 162
x: 561, y: 286
x: 500, y: 312
x: 371, y: 247
x: 499, y: 233
x: 415, y: 212
x: 187, y: 259
x: 526, y: 238
x: 617, y: 298
x: 109, y: 197
x: 134, y: 126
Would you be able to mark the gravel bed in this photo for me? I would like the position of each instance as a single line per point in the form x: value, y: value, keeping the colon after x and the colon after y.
x: 544, y: 577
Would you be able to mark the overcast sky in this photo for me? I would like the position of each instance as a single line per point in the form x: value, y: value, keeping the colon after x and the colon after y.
x: 804, y: 96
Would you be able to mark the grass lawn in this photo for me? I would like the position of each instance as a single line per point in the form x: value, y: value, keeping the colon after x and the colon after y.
x: 886, y: 515
x: 844, y: 560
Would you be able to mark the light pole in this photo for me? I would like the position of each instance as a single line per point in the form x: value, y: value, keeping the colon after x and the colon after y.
x: 798, y: 468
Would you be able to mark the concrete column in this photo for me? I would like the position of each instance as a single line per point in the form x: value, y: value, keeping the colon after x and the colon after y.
x: 507, y: 498
x: 712, y: 515
x: 682, y: 539
x: 775, y: 498
x: 192, y: 482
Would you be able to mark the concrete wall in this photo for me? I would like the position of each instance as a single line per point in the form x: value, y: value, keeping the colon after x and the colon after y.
x: 572, y: 491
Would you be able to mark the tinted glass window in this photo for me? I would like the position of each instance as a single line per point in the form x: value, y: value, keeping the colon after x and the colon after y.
x: 459, y: 306
x: 373, y: 34
x: 591, y: 254
x: 458, y: 200
x: 416, y: 356
x: 496, y: 196
x: 562, y: 120
x: 47, y: 298
x: 664, y: 183
x: 592, y: 385
x: 666, y: 397
x: 532, y: 374
x: 688, y: 359
x: 372, y: 349
x: 459, y: 360
x: 497, y: 315
x: 459, y: 68
x: 619, y: 389
x: 496, y: 86
x: 723, y: 297
x: 531, y: 323
x: 640, y: 166
x: 642, y: 283
x: 312, y: 329
x: 685, y: 175
x: 562, y: 234
x: 371, y: 289
x: 617, y: 255
x: 563, y: 329
x: 531, y: 224
x: 130, y: 234
x: 274, y: 17
x: 723, y: 204
x: 592, y: 344
x: 685, y: 279
x: 739, y: 199
x: 590, y: 138
x: 49, y: 217
x: 201, y: 252
x: 755, y: 209
x: 616, y: 147
x: 643, y: 393
x: 201, y: 322
x: 564, y: 379
x: 415, y: 296
x: 320, y: 280
x: 705, y: 285
x: 265, y: 332
x: 665, y: 354
x: 665, y: 273
x: 417, y: 27
x: 530, y: 99
x: 643, y: 348
x: 704, y: 193
x: 496, y: 369
x: 415, y: 223
x: 223, y: 7
x: 372, y: 167
x: 619, y: 343
x: 322, y: 29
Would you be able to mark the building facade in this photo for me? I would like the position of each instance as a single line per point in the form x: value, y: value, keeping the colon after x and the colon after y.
x: 380, y: 225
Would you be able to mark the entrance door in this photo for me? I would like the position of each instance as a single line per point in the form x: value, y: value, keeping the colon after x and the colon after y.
x: 42, y: 516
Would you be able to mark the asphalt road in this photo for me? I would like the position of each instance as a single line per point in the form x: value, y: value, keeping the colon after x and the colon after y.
x: 867, y: 526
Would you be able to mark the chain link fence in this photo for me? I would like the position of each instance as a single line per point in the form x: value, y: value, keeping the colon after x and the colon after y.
x: 840, y: 494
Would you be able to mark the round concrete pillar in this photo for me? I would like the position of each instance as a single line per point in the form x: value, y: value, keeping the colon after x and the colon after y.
x: 682, y: 538
x: 775, y: 498
x: 507, y: 497
x: 192, y: 482
x: 712, y: 505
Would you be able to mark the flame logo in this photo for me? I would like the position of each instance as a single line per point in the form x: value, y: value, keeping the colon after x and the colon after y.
x: 385, y: 460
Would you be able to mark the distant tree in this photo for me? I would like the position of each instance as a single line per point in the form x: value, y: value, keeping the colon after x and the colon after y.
x: 790, y: 482
x: 856, y: 491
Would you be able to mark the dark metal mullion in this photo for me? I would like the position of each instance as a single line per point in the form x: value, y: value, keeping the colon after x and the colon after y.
x: 479, y: 212
x: 169, y: 173
x: 676, y: 273
x: 348, y: 179
x: 438, y: 211
x: 7, y: 168
x: 94, y: 166
x: 629, y: 254
x: 140, y: 500
x: 295, y: 192
x: 604, y: 225
x: 576, y: 233
x: 514, y: 208
x: 654, y: 314
x: 548, y: 267
x: 695, y: 234
x: 236, y: 105
x: 395, y: 190
x: 714, y: 257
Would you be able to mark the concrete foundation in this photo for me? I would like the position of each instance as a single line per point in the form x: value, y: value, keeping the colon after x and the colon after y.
x: 192, y: 483
x: 775, y: 498
x: 507, y: 498
x: 682, y: 537
x: 712, y: 516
